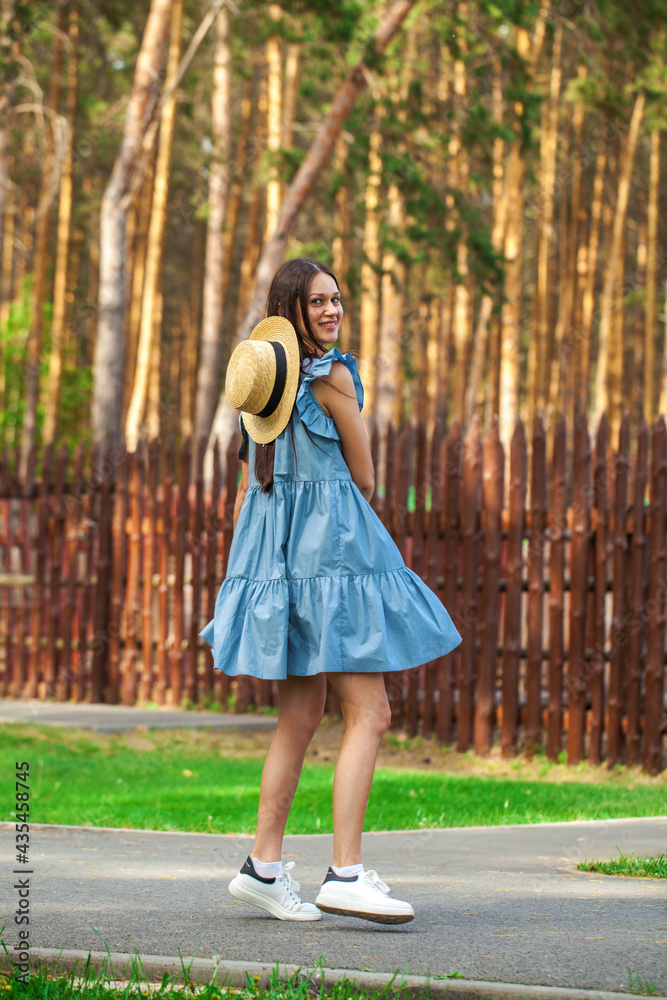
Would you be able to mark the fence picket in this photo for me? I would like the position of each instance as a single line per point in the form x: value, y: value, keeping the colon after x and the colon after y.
x: 557, y: 532
x: 492, y: 492
x: 148, y: 527
x: 102, y: 614
x: 655, y: 656
x: 118, y: 557
x: 619, y: 636
x: 535, y: 604
x: 432, y: 669
x: 179, y: 546
x: 53, y: 666
x: 601, y: 532
x: 638, y: 595
x: 576, y: 675
x: 512, y: 617
x: 446, y: 681
x: 471, y: 489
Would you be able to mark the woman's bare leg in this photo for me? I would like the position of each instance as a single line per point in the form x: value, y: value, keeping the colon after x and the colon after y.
x: 365, y: 708
x: 300, y: 708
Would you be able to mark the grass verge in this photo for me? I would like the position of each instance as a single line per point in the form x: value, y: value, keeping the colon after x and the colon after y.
x: 629, y: 866
x: 194, y: 782
x: 304, y: 985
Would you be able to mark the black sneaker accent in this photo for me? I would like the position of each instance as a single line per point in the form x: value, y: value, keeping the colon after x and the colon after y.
x: 249, y: 869
x: 332, y: 877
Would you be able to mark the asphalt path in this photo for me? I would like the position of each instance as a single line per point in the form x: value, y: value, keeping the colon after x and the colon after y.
x: 503, y: 904
x: 113, y: 718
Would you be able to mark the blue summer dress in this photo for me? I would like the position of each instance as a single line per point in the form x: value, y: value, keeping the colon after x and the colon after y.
x: 314, y: 580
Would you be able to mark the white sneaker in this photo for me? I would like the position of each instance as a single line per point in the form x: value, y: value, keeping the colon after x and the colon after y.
x: 363, y: 895
x: 277, y: 895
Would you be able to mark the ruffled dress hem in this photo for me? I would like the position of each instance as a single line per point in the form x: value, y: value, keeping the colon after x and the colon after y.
x: 354, y: 624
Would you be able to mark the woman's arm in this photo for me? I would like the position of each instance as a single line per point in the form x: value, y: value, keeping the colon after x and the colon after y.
x: 241, y: 492
x: 344, y: 408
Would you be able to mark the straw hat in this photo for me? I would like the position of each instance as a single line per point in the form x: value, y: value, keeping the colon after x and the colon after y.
x: 263, y: 377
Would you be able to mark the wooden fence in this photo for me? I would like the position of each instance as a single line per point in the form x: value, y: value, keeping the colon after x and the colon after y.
x: 110, y: 567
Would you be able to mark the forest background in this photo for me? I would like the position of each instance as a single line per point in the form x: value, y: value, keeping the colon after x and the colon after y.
x: 485, y: 179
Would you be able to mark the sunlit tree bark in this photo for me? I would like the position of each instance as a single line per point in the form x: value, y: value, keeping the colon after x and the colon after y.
x: 109, y: 364
x: 48, y: 188
x: 274, y: 89
x: 149, y: 328
x: 369, y: 316
x: 601, y: 401
x: 208, y: 373
x: 340, y: 247
x: 561, y: 385
x: 58, y: 327
x: 652, y: 264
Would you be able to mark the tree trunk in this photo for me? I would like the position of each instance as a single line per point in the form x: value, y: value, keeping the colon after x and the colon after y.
x: 663, y: 380
x: 148, y: 348
x: 369, y: 317
x: 340, y: 247
x: 652, y: 265
x: 235, y: 193
x: 316, y: 158
x: 138, y: 224
x: 391, y: 335
x: 292, y: 72
x: 418, y: 325
x: 9, y: 50
x: 58, y: 329
x: 190, y: 321
x: 547, y: 235
x: 634, y: 387
x: 253, y: 233
x: 390, y: 345
x: 613, y: 258
x: 41, y: 257
x: 274, y: 91
x: 208, y: 373
x: 616, y: 346
x: 588, y: 295
x: 510, y: 317
x: 458, y: 181
x: 109, y: 362
x: 560, y: 375
x: 506, y: 233
x: 445, y: 356
x: 561, y: 381
x: 91, y: 188
x: 7, y: 276
x: 499, y: 216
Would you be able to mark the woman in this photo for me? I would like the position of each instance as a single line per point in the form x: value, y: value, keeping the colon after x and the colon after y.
x: 315, y: 587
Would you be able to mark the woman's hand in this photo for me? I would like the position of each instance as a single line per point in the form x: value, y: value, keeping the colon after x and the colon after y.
x: 337, y: 396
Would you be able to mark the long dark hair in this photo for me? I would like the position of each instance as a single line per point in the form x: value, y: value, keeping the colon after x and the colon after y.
x: 289, y: 290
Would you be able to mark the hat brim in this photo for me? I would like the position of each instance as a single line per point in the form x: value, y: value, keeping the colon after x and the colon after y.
x: 263, y: 430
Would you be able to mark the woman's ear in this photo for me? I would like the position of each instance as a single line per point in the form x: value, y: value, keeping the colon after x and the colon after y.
x: 279, y: 312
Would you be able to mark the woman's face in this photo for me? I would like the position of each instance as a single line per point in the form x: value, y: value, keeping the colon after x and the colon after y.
x: 325, y: 311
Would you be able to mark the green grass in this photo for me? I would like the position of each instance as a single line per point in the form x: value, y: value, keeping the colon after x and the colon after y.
x: 629, y: 865
x: 167, y: 783
x: 637, y: 985
x: 85, y: 982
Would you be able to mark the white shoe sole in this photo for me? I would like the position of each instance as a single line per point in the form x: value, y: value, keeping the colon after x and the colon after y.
x: 247, y: 895
x: 381, y: 917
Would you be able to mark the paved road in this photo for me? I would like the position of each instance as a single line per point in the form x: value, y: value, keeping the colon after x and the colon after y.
x: 503, y: 904
x: 110, y: 718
